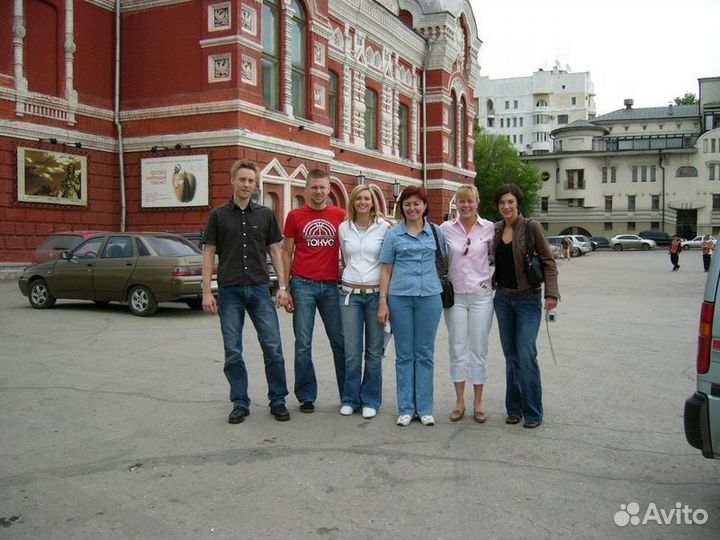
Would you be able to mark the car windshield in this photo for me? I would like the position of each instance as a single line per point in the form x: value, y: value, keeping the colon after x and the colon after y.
x: 170, y: 246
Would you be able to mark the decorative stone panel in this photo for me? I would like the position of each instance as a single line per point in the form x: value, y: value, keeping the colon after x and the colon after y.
x: 319, y: 96
x: 319, y: 54
x: 249, y: 70
x: 219, y: 16
x: 249, y: 20
x: 220, y: 68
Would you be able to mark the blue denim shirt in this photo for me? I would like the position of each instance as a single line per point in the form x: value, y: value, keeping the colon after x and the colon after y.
x: 413, y: 259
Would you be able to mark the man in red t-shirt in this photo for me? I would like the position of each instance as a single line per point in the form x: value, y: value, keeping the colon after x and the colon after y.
x: 310, y: 257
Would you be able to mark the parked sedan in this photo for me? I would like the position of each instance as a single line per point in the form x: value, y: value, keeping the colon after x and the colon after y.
x: 695, y: 243
x: 599, y: 242
x: 631, y: 241
x: 141, y: 269
x: 56, y: 243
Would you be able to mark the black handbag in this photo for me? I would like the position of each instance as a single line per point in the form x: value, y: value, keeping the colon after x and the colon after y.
x: 441, y: 263
x: 534, y: 269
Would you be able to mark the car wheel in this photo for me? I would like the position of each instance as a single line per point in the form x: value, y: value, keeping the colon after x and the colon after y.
x: 686, y: 248
x: 142, y: 302
x: 576, y: 252
x: 617, y: 247
x: 195, y: 304
x: 645, y: 247
x: 40, y: 296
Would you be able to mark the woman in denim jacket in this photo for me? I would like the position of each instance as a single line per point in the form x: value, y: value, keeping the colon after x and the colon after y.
x: 518, y: 305
x: 410, y: 298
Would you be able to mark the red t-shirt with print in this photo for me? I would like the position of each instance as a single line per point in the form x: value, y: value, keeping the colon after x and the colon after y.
x: 316, y: 242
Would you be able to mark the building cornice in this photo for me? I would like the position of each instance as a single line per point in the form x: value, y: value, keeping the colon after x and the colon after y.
x: 218, y: 107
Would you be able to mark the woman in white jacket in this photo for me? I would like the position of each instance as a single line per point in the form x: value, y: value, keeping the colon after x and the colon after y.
x: 361, y: 237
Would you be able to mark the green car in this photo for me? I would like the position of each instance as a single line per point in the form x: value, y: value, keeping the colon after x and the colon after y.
x: 141, y: 269
x: 702, y: 409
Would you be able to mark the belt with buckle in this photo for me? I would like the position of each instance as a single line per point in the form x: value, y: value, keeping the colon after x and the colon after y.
x: 360, y: 290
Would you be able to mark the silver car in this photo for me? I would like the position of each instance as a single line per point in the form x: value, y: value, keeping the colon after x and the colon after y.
x: 702, y: 409
x: 631, y: 241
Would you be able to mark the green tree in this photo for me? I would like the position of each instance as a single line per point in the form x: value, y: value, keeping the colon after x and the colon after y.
x: 688, y: 99
x: 497, y: 162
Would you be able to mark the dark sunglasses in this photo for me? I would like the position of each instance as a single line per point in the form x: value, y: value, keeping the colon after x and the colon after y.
x: 467, y: 247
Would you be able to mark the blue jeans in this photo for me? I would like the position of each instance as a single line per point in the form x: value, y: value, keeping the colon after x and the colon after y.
x: 308, y: 295
x: 518, y: 322
x: 256, y: 300
x: 415, y: 321
x: 363, y: 388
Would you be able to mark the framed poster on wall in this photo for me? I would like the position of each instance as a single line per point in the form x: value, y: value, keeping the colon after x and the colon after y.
x: 51, y: 177
x: 174, y: 181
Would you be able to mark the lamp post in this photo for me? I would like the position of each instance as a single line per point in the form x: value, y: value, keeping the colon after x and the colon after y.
x: 360, y: 179
x: 396, y: 194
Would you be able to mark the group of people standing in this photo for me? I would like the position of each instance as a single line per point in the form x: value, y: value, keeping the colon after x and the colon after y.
x: 389, y: 277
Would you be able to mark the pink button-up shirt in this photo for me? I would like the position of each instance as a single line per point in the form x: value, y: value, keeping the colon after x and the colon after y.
x: 469, y: 272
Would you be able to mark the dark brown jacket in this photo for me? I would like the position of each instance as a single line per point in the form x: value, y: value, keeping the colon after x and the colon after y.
x: 519, y: 248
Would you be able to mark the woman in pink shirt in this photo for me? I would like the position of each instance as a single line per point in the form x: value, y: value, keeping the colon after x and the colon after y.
x: 469, y: 240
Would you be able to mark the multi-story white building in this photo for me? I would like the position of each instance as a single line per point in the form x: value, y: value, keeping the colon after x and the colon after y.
x: 527, y: 109
x: 633, y: 169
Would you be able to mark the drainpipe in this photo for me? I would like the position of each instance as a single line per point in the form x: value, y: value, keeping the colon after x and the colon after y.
x: 428, y: 47
x: 121, y: 155
x: 662, y: 201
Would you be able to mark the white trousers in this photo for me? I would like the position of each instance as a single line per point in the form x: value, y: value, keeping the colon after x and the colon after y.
x: 469, y: 322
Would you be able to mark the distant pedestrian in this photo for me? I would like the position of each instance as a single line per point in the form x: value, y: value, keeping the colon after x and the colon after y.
x: 675, y: 249
x: 567, y: 244
x: 240, y: 233
x: 708, y: 245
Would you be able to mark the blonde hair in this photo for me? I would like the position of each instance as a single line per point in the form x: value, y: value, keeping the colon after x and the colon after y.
x: 467, y: 191
x: 357, y: 190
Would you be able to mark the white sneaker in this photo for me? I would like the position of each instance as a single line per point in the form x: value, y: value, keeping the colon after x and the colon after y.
x: 346, y: 410
x: 369, y: 412
x: 427, y: 420
x: 404, y: 420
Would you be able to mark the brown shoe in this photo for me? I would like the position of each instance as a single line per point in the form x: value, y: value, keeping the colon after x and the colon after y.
x: 512, y: 419
x: 480, y: 417
x: 457, y: 415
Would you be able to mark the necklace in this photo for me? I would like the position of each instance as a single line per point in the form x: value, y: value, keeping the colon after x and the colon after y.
x: 362, y: 227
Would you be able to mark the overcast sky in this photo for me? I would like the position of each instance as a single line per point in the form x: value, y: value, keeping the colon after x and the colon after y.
x: 651, y: 51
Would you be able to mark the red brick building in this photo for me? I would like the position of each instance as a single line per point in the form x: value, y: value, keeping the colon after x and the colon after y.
x: 128, y: 114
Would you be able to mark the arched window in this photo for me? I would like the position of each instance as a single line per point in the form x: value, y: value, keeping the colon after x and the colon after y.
x: 371, y: 104
x: 452, y: 126
x: 403, y: 126
x: 299, y: 60
x: 490, y: 105
x: 463, y: 133
x: 42, y: 43
x: 271, y: 54
x: 333, y: 104
x: 298, y: 202
x: 271, y: 201
x: 686, y: 171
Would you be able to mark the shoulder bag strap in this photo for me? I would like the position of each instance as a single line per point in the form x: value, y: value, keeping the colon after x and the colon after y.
x: 530, y: 238
x: 439, y: 259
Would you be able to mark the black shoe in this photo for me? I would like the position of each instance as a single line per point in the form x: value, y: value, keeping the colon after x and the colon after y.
x: 307, y: 407
x: 237, y: 415
x: 280, y: 412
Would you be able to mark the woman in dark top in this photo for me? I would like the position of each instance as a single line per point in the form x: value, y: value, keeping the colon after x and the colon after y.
x: 518, y: 306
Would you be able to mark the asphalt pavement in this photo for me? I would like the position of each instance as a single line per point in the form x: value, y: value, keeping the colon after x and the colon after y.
x: 114, y: 427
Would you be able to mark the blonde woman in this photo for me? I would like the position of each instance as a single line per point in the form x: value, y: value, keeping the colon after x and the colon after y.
x: 469, y: 240
x: 361, y: 237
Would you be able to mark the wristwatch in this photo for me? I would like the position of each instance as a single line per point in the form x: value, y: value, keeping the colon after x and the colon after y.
x: 282, y: 288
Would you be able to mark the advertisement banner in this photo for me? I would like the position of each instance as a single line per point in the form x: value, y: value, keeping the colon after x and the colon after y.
x: 175, y: 181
